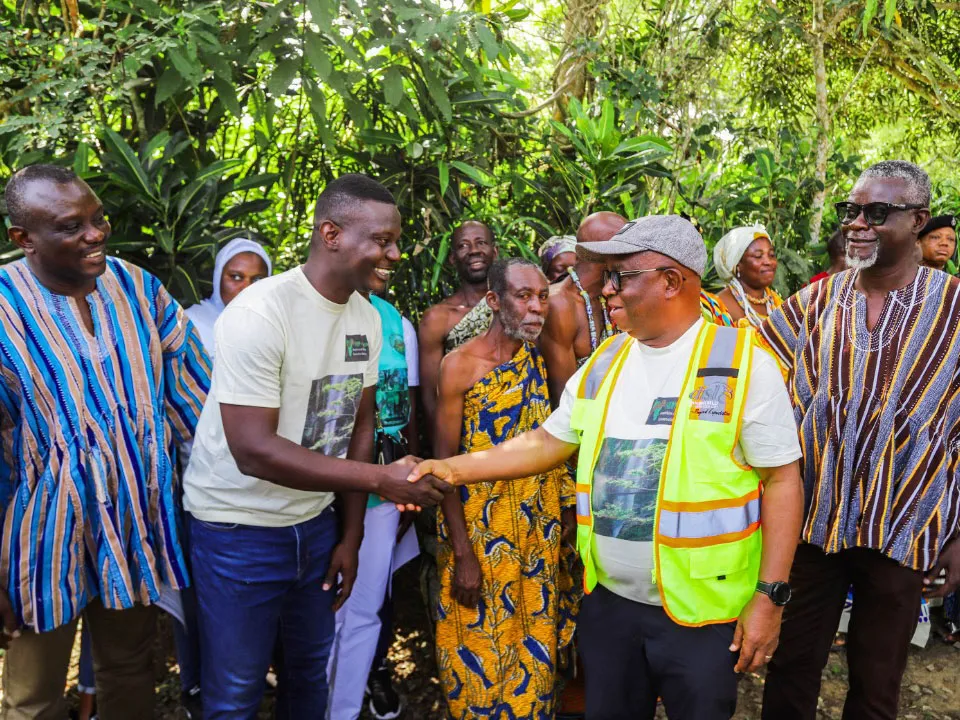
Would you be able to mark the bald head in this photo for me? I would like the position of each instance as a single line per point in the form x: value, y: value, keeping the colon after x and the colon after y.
x: 600, y: 226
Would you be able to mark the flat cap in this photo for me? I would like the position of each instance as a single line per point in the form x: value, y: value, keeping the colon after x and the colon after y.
x: 669, y: 235
x: 938, y: 222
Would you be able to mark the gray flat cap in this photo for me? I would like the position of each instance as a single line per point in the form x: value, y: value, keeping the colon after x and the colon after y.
x: 668, y: 235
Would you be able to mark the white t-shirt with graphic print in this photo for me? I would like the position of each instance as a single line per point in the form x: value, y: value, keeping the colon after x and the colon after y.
x: 281, y: 344
x: 627, y: 475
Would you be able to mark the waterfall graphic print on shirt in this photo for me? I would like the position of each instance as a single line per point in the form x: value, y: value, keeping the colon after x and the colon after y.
x: 333, y: 405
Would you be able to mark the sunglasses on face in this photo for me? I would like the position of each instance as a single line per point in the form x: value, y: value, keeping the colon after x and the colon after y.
x: 613, y: 276
x: 874, y: 213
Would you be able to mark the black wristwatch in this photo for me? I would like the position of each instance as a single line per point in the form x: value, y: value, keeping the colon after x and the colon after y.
x: 779, y: 592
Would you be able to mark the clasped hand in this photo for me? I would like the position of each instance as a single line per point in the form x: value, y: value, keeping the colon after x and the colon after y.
x: 397, y: 487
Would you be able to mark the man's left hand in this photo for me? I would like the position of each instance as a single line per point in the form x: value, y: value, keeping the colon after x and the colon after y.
x: 757, y: 633
x: 343, y: 562
x: 949, y: 560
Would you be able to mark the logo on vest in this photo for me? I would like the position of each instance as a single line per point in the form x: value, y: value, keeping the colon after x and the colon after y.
x: 712, y: 402
x: 357, y: 349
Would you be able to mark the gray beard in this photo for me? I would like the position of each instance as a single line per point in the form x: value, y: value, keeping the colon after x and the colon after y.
x: 855, y: 262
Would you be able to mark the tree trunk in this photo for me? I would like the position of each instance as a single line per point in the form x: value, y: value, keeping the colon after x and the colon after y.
x: 582, y: 23
x: 817, y: 40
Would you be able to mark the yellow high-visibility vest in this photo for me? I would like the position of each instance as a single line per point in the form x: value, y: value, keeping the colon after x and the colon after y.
x: 707, y: 537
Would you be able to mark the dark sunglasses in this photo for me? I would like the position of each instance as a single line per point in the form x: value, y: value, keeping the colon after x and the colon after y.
x: 874, y: 213
x: 613, y: 276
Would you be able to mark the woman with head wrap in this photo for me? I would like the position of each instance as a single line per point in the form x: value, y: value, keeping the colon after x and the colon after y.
x: 746, y: 261
x: 556, y: 255
x: 241, y: 262
x: 938, y: 241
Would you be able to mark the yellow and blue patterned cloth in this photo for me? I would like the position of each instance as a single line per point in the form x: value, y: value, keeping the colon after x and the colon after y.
x: 499, y: 659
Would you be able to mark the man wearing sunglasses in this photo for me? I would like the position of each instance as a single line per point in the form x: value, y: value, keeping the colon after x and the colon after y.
x: 874, y: 374
x: 681, y: 426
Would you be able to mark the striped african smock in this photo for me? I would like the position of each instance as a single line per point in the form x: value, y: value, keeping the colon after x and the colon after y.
x: 878, y: 413
x: 88, y: 432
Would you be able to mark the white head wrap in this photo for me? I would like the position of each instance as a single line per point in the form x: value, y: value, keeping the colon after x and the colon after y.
x: 204, y: 314
x: 732, y: 246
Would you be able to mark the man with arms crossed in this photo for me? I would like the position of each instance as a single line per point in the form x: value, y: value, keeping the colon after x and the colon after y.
x: 682, y: 426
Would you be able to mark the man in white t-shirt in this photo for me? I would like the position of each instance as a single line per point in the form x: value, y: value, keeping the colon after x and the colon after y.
x: 663, y: 387
x: 288, y: 423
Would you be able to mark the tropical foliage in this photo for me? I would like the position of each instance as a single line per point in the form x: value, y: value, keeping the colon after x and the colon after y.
x: 198, y: 121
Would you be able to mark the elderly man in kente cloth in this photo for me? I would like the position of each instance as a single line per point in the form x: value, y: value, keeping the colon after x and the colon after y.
x: 506, y: 603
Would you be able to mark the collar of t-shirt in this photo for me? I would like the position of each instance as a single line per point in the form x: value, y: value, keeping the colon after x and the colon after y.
x: 687, y: 338
x: 323, y: 303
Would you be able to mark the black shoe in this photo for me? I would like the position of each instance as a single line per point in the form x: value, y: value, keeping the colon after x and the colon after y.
x: 191, y: 703
x: 385, y: 703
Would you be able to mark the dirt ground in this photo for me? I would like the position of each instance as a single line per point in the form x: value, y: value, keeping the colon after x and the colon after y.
x: 931, y: 686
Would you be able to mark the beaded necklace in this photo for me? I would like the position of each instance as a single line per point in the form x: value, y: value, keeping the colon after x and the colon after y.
x: 607, y: 325
x: 770, y: 299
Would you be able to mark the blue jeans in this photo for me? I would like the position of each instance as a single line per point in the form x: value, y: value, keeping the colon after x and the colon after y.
x: 85, y: 676
x: 253, y: 585
x: 185, y: 638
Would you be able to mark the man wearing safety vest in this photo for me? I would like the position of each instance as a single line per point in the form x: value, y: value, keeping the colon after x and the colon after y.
x: 688, y: 448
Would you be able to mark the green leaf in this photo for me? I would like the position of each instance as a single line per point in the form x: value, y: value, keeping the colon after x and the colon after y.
x: 253, y: 181
x: 218, y: 63
x: 282, y: 76
x: 438, y: 93
x: 487, y: 40
x: 393, y: 86
x: 212, y: 173
x: 81, y: 159
x: 491, y: 97
x: 440, y: 259
x: 481, y: 177
x: 890, y: 12
x: 170, y: 83
x: 315, y: 49
x: 379, y: 137
x: 228, y: 95
x: 246, y: 208
x: 444, y: 172
x: 188, y: 68
x: 125, y: 156
x: 869, y: 12
x: 322, y: 12
x: 158, y: 141
x: 165, y: 238
x: 318, y: 107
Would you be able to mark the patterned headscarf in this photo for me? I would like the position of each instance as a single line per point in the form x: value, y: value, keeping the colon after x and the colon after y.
x: 554, y: 246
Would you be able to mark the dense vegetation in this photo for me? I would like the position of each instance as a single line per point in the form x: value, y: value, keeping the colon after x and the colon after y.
x: 197, y: 121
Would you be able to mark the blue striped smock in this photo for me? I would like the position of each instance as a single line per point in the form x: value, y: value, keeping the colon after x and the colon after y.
x: 89, y: 427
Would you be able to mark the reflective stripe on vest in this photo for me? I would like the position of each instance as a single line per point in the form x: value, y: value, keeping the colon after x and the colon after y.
x: 599, y: 365
x: 712, y: 396
x: 583, y: 505
x: 698, y: 520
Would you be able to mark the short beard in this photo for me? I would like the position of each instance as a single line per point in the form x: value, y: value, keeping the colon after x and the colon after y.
x: 855, y: 262
x: 514, y: 329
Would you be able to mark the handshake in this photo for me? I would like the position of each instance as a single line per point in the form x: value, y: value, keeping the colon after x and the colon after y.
x: 412, y: 483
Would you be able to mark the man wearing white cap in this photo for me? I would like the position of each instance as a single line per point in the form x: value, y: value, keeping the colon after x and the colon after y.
x: 682, y: 427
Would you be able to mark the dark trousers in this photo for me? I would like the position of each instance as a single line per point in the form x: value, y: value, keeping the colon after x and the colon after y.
x: 632, y: 653
x: 886, y: 604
